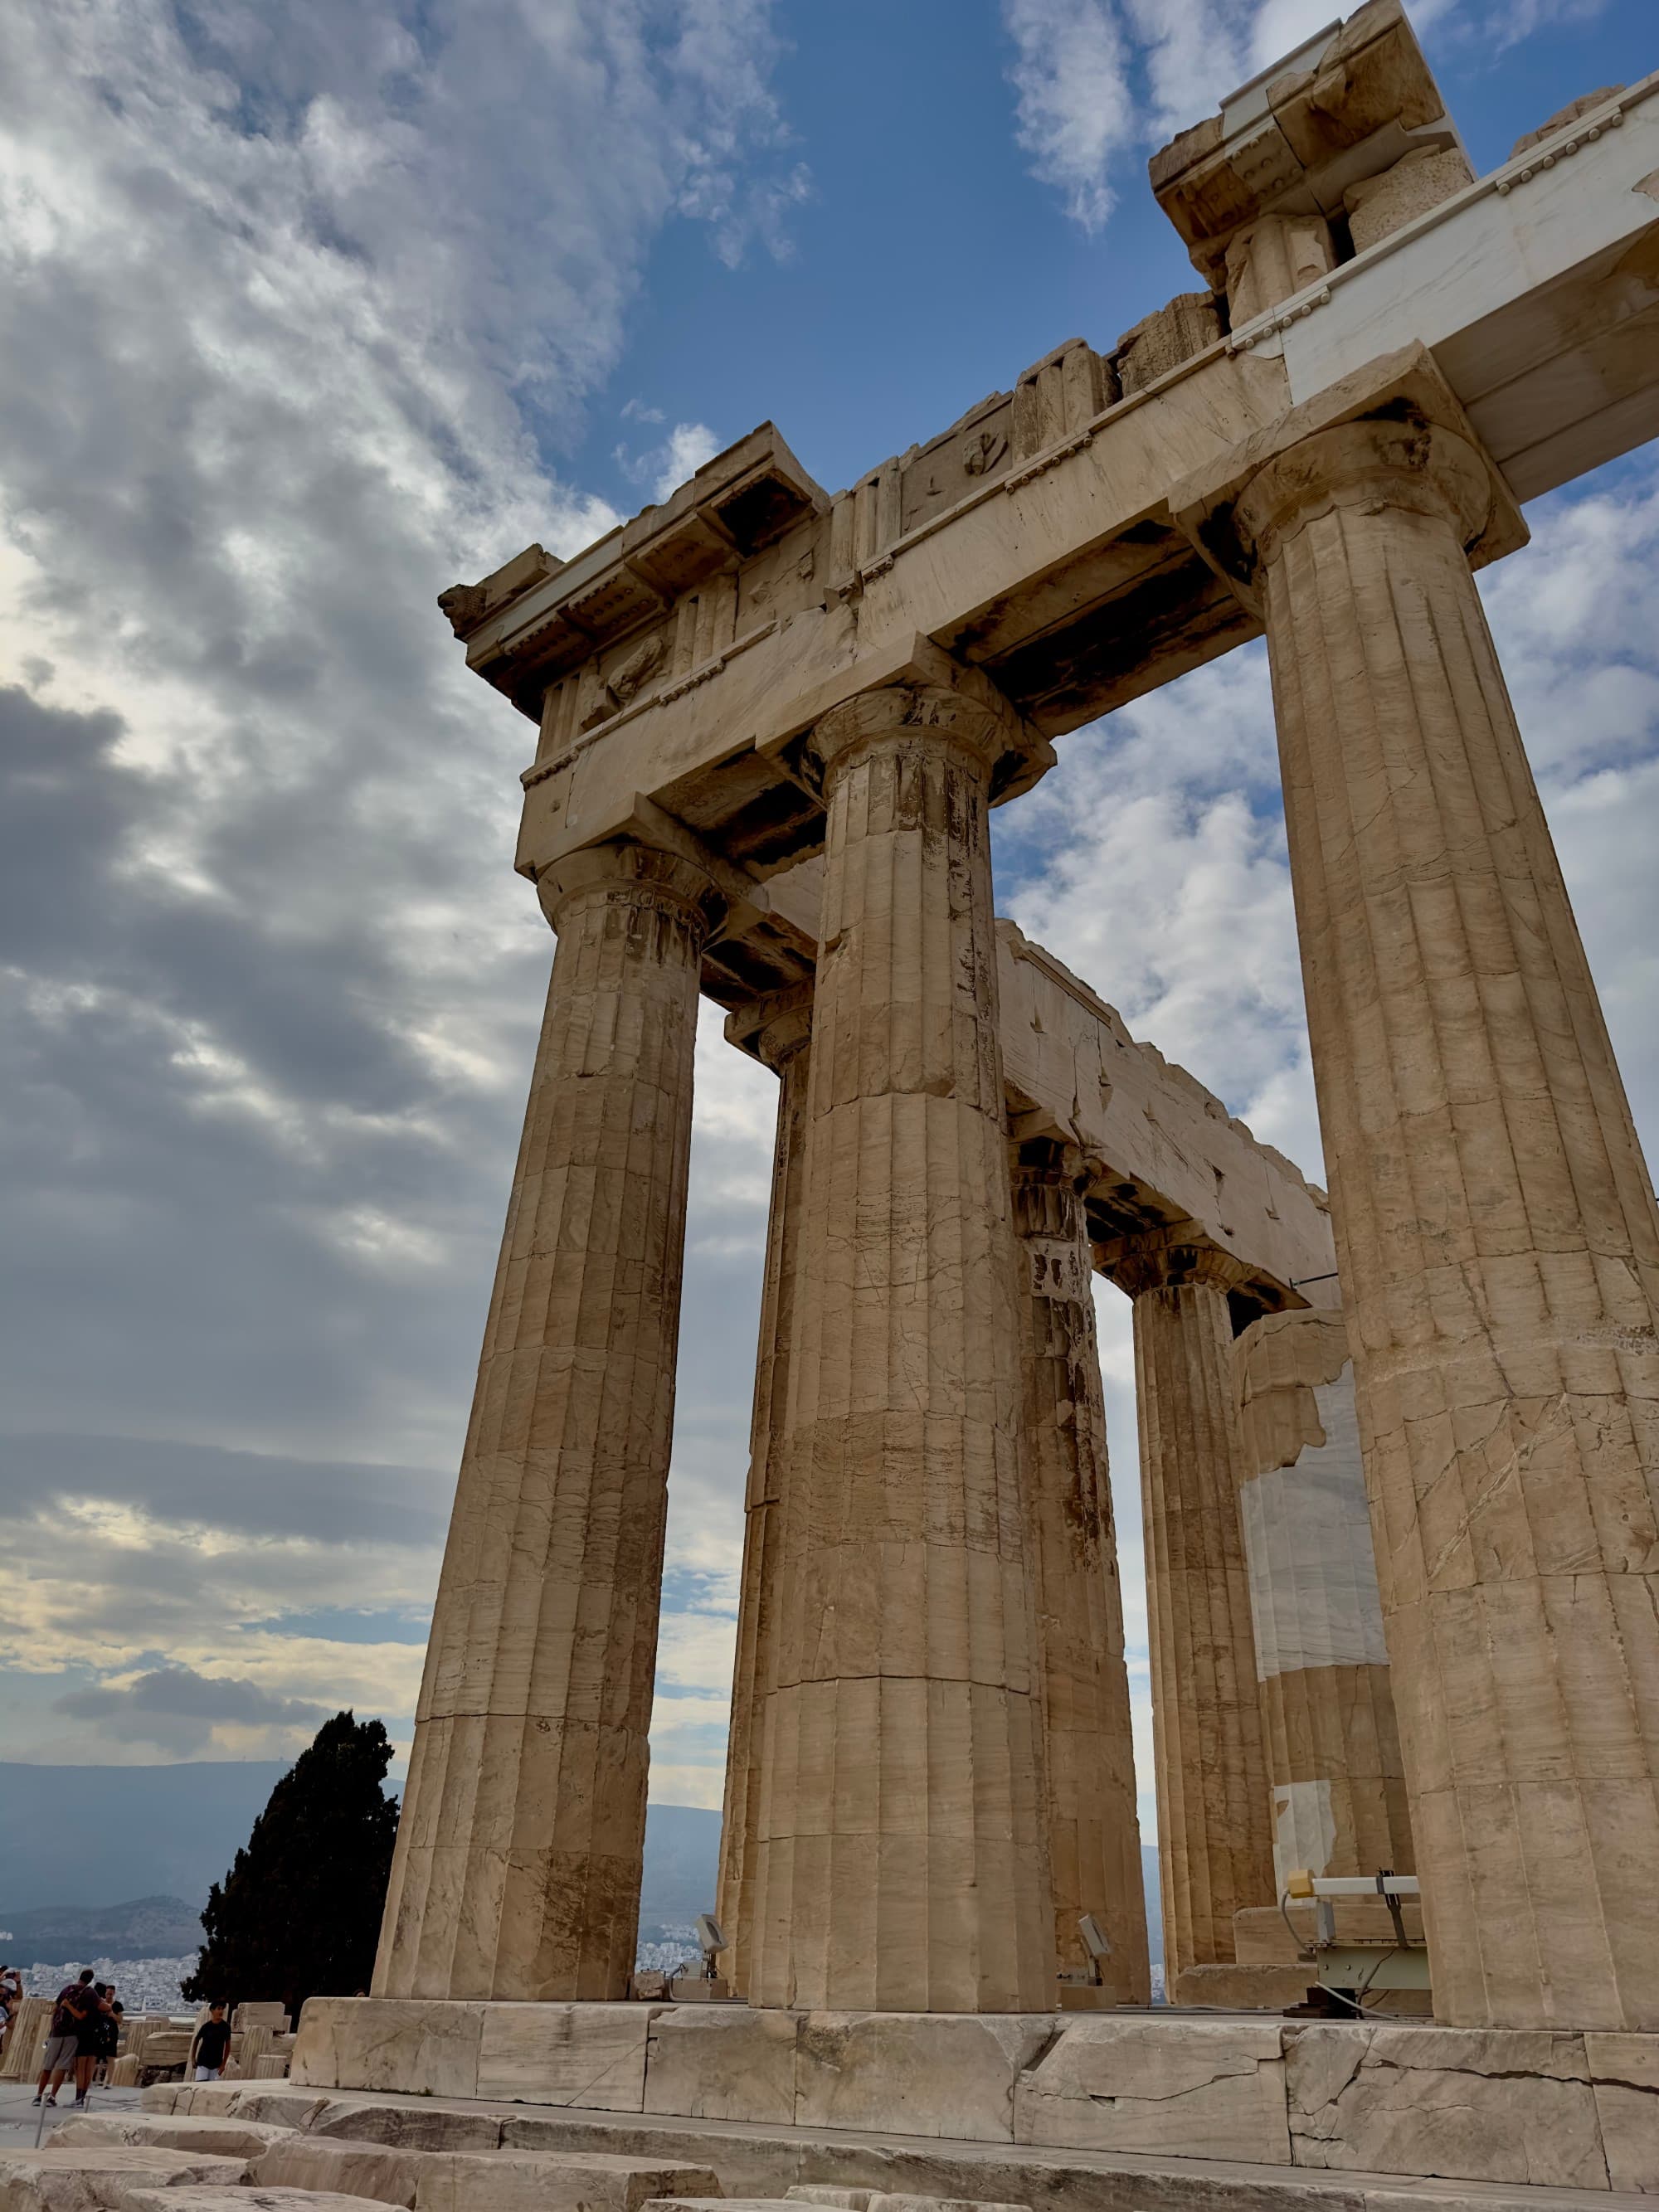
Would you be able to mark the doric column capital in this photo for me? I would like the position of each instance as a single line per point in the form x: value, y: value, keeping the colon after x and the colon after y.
x: 626, y: 872
x: 1393, y: 437
x: 774, y: 1028
x: 1407, y: 464
x: 1166, y: 1259
x: 967, y: 715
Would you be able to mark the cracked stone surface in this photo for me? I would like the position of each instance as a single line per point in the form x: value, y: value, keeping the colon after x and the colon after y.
x: 901, y: 1859
x: 1488, y: 2107
x: 1203, y: 2089
x: 938, y: 2075
x: 517, y: 1869
x: 1495, y: 1223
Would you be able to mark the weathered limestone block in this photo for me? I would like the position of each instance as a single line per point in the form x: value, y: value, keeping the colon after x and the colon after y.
x: 425, y: 2126
x: 782, y: 1033
x: 1272, y: 258
x: 1495, y: 1223
x: 1215, y: 1853
x: 1487, y: 2106
x: 1094, y: 1832
x: 341, y: 2168
x: 517, y: 1869
x: 1198, y: 2088
x: 1625, y: 2072
x: 123, y: 2073
x: 1586, y: 104
x: 589, y: 2055
x: 1418, y: 181
x: 723, y: 2063
x: 563, y: 2181
x: 941, y: 2074
x: 220, y: 2197
x: 87, y: 2178
x: 902, y: 1861
x: 1058, y: 395
x: 1333, y: 1744
x: 228, y: 2137
x: 390, y: 2042
x: 1165, y: 339
x: 266, y: 2012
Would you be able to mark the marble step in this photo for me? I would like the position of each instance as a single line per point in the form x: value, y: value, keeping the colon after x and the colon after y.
x: 758, y: 2163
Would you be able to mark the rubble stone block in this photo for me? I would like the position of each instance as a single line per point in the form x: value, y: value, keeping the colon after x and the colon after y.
x: 1199, y: 2088
x: 535, y: 2181
x: 219, y: 2198
x: 339, y: 2168
x: 425, y: 2126
x: 85, y: 2178
x: 182, y: 2131
x: 940, y: 2074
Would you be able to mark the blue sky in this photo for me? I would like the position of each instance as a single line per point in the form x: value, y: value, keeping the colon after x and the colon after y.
x: 310, y: 311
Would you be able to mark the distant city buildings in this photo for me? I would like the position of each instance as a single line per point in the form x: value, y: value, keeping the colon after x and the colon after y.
x: 141, y: 1984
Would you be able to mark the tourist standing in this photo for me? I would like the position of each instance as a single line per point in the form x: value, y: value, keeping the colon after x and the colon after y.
x: 210, y: 2045
x: 89, y: 2038
x: 73, y: 2002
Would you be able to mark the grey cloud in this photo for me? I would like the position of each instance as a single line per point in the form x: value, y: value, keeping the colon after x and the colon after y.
x: 177, y: 1709
x: 259, y: 1494
x: 180, y: 1693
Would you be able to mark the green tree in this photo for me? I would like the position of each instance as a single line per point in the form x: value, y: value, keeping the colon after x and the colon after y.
x: 299, y: 1913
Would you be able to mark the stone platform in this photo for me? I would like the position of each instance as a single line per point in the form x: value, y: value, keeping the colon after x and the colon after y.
x: 1533, y: 2108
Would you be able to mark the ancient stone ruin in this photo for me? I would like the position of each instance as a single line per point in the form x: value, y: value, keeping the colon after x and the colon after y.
x: 1399, y: 1448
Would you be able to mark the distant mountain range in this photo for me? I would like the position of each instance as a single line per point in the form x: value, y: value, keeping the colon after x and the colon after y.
x: 169, y: 1832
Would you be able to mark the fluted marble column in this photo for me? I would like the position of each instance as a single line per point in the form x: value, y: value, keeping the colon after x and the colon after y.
x: 517, y: 1869
x: 1495, y: 1226
x: 781, y: 1030
x: 1094, y: 1831
x: 902, y: 1861
x: 1215, y: 1852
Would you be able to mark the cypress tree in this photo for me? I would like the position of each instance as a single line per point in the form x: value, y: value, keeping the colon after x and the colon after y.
x: 299, y: 1913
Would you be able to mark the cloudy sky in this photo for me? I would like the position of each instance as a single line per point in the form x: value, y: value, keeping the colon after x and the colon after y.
x: 312, y: 309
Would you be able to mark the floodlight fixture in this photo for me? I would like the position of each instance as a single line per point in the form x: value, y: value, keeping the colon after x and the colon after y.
x: 711, y: 1940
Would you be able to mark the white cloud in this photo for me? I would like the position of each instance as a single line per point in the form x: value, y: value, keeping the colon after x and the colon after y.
x: 1075, y: 109
x: 1100, y: 81
x: 296, y: 305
